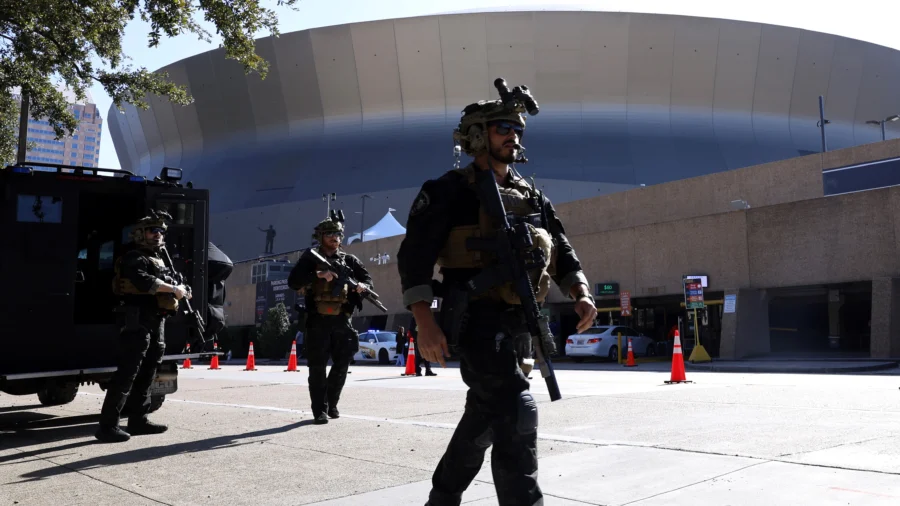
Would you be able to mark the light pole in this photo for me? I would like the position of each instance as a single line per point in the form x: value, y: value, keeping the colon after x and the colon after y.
x: 328, y: 198
x: 893, y: 118
x: 822, y: 122
x: 362, y: 218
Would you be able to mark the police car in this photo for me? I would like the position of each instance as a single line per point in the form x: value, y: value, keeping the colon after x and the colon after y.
x: 377, y: 345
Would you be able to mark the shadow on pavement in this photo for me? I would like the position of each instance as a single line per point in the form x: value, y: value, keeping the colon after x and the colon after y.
x: 145, y: 454
x: 12, y: 409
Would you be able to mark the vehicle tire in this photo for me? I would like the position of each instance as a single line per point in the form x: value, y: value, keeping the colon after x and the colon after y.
x: 57, y: 394
x: 578, y: 360
x: 614, y: 353
x: 383, y: 357
x: 651, y: 350
x: 156, y: 402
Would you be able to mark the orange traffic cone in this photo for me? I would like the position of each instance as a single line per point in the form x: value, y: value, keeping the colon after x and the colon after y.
x: 187, y: 361
x: 410, y: 359
x: 292, y: 362
x: 251, y: 359
x: 630, y: 361
x: 677, y: 362
x: 214, y: 362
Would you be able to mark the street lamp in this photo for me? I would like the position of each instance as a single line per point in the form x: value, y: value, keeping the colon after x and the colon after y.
x: 362, y: 218
x: 328, y: 198
x: 893, y: 118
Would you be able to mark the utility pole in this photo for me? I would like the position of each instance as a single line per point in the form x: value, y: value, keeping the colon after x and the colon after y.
x: 328, y: 198
x: 362, y: 218
x: 23, y: 129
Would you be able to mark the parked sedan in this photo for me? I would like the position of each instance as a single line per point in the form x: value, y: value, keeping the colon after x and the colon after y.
x: 602, y: 341
x: 377, y: 345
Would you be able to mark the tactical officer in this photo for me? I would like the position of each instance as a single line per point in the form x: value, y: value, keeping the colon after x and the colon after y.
x: 149, y: 295
x: 499, y: 409
x: 328, y: 329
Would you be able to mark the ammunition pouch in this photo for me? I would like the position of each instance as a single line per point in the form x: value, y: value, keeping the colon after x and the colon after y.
x: 167, y: 302
x: 327, y: 302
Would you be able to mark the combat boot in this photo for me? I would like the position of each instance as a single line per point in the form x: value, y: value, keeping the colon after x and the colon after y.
x: 334, y: 413
x: 320, y: 419
x: 142, y: 426
x: 112, y: 435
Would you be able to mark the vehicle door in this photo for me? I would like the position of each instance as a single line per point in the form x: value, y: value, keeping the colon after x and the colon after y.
x: 38, y: 267
x: 187, y: 241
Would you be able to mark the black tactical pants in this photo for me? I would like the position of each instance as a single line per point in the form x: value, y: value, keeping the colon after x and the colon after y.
x: 328, y: 337
x: 499, y: 412
x: 141, y: 348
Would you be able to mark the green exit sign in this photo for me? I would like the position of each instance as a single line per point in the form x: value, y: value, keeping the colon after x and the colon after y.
x: 606, y: 289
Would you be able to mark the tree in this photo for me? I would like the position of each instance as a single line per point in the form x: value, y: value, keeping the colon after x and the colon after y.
x: 77, y: 42
x: 273, y: 331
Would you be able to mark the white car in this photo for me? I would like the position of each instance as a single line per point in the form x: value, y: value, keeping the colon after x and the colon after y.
x: 602, y: 341
x: 377, y: 345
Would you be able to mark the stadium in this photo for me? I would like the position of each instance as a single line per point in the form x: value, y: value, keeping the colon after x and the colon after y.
x: 366, y: 110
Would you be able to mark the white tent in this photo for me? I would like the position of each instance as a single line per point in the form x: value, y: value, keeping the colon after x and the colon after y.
x: 388, y: 226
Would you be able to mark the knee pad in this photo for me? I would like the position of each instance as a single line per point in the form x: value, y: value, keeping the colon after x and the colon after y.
x: 527, y: 416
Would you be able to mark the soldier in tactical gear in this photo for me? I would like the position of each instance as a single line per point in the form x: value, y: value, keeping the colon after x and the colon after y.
x: 328, y: 329
x: 148, y: 296
x: 494, y: 339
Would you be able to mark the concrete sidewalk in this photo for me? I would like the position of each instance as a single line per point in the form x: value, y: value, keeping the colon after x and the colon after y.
x: 622, y: 474
x: 793, y: 366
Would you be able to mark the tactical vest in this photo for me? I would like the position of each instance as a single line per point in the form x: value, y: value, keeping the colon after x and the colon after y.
x: 326, y: 303
x: 123, y: 286
x: 515, y: 199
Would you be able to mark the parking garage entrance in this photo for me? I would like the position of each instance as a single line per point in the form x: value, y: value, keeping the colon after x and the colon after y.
x: 825, y: 320
x: 657, y: 317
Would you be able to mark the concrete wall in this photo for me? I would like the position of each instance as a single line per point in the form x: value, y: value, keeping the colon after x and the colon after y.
x: 646, y: 239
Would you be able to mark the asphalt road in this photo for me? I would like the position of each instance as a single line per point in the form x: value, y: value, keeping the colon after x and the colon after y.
x: 619, y: 436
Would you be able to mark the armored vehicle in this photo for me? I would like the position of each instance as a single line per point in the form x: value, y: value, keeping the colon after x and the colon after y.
x: 61, y: 229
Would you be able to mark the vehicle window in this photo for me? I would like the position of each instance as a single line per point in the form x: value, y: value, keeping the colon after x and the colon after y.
x: 364, y: 338
x: 597, y: 330
x: 182, y: 213
x: 106, y: 256
x: 39, y: 209
x: 387, y: 337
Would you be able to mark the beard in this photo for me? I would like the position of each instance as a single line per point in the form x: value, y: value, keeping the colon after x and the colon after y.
x: 498, y: 153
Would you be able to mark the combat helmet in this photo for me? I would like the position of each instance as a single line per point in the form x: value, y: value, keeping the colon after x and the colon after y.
x: 470, y: 134
x: 156, y: 219
x: 334, y: 223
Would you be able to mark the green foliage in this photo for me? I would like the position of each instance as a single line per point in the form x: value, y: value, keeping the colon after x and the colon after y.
x: 9, y: 129
x: 274, y: 333
x: 77, y: 42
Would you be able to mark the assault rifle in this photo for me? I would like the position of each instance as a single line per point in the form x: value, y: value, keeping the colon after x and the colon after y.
x: 345, y: 277
x: 195, y: 320
x: 512, y: 266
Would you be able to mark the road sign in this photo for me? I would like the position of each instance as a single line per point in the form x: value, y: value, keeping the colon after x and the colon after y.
x: 693, y: 294
x: 625, y: 303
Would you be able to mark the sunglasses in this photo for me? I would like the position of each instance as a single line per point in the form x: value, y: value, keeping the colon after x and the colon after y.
x: 334, y: 234
x: 503, y: 128
x: 157, y: 230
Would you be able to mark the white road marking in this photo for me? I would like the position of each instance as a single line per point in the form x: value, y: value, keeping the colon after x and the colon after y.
x: 419, y: 423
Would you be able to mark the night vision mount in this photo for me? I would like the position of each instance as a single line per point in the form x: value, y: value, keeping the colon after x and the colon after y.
x: 337, y: 215
x: 518, y: 99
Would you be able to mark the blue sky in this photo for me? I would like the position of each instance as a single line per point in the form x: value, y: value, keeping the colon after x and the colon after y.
x: 869, y: 20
